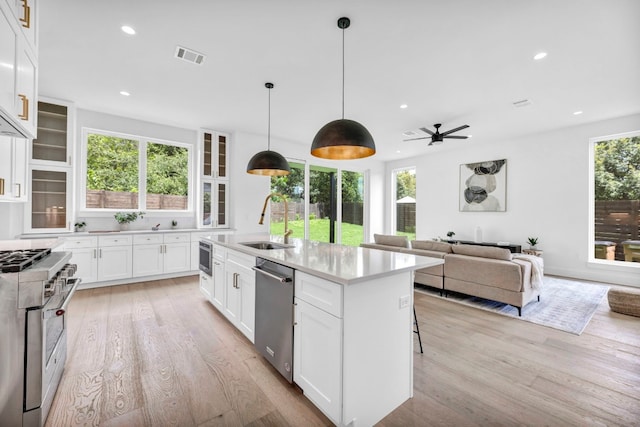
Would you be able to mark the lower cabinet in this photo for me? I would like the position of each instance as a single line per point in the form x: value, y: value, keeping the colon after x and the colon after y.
x: 101, y: 258
x: 161, y: 253
x: 240, y: 292
x: 318, y: 357
x: 219, y: 284
x: 206, y: 285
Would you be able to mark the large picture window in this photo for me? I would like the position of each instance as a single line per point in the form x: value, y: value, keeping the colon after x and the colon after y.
x: 616, y: 198
x: 126, y: 172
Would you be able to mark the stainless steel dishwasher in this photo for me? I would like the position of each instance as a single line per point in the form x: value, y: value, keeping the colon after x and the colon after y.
x: 274, y: 315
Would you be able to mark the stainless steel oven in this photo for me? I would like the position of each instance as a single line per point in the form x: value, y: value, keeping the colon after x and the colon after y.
x: 206, y: 249
x: 33, y: 305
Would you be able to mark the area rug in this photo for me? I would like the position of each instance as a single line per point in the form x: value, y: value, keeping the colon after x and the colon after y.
x: 565, y: 304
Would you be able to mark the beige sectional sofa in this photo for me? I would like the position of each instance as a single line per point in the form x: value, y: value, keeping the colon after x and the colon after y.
x: 486, y: 272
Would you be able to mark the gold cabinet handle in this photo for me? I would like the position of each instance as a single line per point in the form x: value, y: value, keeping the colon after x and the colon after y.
x: 26, y: 14
x: 1, y: 186
x: 25, y: 107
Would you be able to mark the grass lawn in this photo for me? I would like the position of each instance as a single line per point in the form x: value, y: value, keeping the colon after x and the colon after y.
x: 352, y: 234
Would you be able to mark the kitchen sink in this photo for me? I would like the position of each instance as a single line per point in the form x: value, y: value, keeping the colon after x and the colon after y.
x: 266, y: 245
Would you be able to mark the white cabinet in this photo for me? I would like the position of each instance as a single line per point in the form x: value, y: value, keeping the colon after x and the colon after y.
x: 19, y: 64
x: 206, y: 285
x: 317, y: 367
x: 240, y: 292
x: 84, y: 252
x: 213, y: 203
x: 13, y: 169
x: 161, y: 253
x: 219, y: 285
x: 114, y: 257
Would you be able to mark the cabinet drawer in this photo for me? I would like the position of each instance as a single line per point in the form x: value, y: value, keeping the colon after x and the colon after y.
x: 320, y: 293
x: 241, y: 259
x: 147, y: 239
x: 80, y: 242
x: 176, y: 237
x: 121, y: 240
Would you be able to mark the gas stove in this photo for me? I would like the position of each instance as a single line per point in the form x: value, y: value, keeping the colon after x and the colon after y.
x: 15, y: 261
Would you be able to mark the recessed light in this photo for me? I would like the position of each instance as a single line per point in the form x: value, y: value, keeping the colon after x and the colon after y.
x: 124, y: 93
x: 127, y: 29
x: 398, y: 151
x: 403, y: 106
x: 577, y: 113
x: 540, y: 55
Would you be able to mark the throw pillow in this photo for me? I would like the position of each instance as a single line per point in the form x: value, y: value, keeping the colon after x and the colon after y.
x: 431, y: 245
x: 385, y: 239
x: 483, y: 251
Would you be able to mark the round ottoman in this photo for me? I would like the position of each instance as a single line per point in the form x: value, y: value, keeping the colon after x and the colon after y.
x: 625, y: 301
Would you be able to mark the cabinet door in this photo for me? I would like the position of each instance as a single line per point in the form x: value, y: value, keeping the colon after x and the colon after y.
x: 20, y: 175
x: 232, y: 293
x: 177, y: 257
x: 87, y: 261
x: 206, y: 285
x: 26, y: 12
x: 221, y: 160
x: 317, y: 349
x: 114, y: 262
x: 220, y: 209
x: 147, y: 260
x: 219, y: 286
x: 6, y: 168
x: 54, y: 130
x: 26, y: 88
x: 247, y: 312
x: 8, y: 40
x: 50, y: 198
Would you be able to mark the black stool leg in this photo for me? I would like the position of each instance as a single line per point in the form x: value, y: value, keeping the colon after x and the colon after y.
x: 417, y: 330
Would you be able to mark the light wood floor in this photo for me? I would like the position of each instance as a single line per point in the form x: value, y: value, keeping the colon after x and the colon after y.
x: 157, y: 354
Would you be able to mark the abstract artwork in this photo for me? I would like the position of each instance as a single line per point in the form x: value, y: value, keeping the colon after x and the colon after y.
x: 483, y: 186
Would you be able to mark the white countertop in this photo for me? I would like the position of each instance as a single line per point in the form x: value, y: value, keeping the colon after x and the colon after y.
x: 21, y: 245
x: 337, y: 263
x: 137, y: 231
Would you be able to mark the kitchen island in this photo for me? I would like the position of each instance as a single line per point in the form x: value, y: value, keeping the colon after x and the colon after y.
x: 353, y: 322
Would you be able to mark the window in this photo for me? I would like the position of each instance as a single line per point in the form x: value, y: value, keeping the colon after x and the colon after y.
x: 127, y: 172
x: 616, y: 198
x: 404, y: 205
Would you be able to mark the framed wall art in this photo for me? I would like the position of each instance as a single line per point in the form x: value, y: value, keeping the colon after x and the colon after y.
x: 483, y: 186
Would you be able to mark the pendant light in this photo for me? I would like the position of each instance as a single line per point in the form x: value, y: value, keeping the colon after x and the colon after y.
x: 268, y: 162
x: 343, y: 139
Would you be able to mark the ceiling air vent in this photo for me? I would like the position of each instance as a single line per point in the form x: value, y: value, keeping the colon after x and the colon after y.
x: 189, y: 55
x: 522, y: 103
x: 409, y: 133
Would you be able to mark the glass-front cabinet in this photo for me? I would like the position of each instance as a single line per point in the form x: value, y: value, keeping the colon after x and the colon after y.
x: 50, y: 199
x: 214, y: 189
x: 215, y: 154
x: 50, y: 169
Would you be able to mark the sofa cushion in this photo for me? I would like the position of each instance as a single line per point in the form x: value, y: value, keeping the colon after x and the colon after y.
x: 431, y: 245
x: 483, y: 251
x: 385, y: 239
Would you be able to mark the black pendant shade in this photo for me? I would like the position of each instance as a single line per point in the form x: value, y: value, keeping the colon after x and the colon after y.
x: 343, y: 139
x: 268, y: 162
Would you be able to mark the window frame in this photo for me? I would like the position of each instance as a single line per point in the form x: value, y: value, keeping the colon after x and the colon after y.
x: 591, y: 258
x: 142, y: 176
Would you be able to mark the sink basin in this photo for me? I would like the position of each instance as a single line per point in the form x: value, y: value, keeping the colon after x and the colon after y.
x: 266, y: 245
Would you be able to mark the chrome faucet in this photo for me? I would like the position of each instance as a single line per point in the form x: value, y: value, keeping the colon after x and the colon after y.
x: 287, y: 232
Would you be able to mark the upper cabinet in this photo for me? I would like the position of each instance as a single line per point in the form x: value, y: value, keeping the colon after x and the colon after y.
x: 19, y: 68
x: 13, y: 169
x: 55, y: 133
x: 215, y: 154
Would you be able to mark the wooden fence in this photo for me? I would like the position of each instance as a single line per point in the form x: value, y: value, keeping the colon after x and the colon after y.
x: 617, y: 221
x: 406, y: 217
x: 127, y: 200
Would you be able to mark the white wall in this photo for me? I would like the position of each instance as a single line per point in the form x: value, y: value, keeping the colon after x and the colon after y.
x: 11, y: 220
x: 547, y: 196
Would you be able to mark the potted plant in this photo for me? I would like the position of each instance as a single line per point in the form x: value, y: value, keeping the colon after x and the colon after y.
x: 533, y: 241
x: 80, y: 225
x: 124, y: 218
x: 174, y: 223
x: 450, y: 235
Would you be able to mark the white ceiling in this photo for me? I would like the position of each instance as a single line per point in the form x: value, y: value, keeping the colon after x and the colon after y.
x: 453, y: 62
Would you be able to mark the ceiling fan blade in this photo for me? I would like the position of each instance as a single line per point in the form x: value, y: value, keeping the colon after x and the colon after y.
x: 455, y: 137
x: 427, y: 131
x: 415, y: 139
x: 455, y: 130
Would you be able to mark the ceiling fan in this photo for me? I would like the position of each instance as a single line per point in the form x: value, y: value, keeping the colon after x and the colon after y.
x: 437, y: 137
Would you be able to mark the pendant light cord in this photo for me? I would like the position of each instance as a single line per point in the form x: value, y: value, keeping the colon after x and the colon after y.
x: 343, y: 74
x: 269, y: 124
